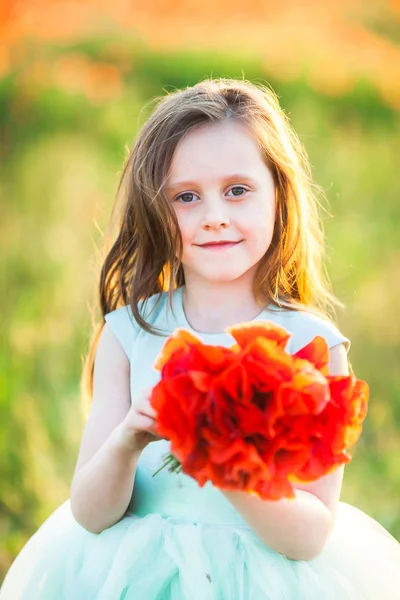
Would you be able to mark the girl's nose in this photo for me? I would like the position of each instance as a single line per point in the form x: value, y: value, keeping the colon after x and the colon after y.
x: 216, y: 217
x: 216, y: 223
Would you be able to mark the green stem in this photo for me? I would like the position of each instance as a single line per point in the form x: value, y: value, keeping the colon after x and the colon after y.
x: 172, y: 461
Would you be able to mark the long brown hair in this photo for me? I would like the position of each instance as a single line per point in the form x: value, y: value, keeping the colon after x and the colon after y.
x: 142, y: 261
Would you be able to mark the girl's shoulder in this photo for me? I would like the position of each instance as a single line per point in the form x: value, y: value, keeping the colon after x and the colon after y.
x: 124, y: 325
x: 304, y: 325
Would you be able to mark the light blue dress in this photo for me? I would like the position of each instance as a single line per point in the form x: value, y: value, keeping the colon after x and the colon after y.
x: 182, y: 542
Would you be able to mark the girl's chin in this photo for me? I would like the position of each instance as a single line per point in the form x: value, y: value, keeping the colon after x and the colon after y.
x: 218, y: 271
x: 221, y: 276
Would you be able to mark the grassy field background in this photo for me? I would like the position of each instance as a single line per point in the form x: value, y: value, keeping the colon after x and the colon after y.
x: 62, y: 150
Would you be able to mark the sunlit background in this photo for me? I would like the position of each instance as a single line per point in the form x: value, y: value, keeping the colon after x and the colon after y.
x: 75, y: 77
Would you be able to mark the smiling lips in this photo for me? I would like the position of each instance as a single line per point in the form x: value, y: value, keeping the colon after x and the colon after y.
x: 222, y: 245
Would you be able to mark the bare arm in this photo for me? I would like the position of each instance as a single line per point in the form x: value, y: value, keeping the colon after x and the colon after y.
x: 105, y: 471
x: 297, y: 528
x: 101, y: 489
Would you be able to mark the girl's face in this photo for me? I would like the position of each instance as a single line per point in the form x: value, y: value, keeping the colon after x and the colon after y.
x: 224, y: 198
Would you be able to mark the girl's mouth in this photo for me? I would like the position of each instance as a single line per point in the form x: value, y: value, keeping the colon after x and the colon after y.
x: 219, y: 245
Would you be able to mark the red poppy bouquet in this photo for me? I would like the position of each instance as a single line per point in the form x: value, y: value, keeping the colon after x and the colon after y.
x: 253, y: 417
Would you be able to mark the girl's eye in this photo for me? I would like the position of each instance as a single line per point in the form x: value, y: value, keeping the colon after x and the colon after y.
x: 238, y: 187
x: 186, y: 197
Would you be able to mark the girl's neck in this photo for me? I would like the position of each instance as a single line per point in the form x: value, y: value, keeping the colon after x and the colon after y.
x: 211, y: 307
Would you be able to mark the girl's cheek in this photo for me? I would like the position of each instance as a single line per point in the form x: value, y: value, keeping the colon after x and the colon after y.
x: 187, y: 225
x: 181, y: 221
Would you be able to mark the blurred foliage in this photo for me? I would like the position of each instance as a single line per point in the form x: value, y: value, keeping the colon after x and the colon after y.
x: 334, y: 44
x: 68, y: 110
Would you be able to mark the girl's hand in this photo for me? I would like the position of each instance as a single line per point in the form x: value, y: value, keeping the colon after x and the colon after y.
x: 138, y: 428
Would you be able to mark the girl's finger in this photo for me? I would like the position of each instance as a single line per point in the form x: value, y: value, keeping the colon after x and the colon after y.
x: 144, y: 422
x: 143, y: 409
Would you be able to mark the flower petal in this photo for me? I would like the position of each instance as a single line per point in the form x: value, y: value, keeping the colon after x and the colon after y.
x: 246, y: 332
x: 316, y: 352
x: 180, y: 339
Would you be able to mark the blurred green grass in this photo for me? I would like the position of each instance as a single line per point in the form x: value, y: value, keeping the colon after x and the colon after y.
x: 61, y: 159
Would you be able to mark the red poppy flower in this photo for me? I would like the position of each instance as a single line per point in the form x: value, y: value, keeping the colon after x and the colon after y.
x: 254, y: 417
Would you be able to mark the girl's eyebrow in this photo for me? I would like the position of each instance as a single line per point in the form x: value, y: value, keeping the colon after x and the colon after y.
x: 182, y: 184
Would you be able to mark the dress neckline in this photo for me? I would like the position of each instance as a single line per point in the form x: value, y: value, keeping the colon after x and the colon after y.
x: 182, y: 321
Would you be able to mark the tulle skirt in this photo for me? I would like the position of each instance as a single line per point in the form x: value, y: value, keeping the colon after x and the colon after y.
x: 158, y: 558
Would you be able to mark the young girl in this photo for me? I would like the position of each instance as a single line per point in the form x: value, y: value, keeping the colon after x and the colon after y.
x: 219, y: 225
